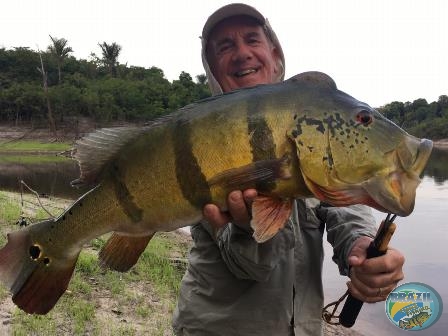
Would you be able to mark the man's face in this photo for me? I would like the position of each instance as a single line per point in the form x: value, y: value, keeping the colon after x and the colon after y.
x: 240, y: 55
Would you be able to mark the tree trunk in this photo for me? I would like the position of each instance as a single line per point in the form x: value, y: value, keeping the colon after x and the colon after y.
x: 59, y: 73
x: 17, y: 116
x: 49, y: 111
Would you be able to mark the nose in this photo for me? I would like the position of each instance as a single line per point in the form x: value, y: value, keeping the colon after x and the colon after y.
x: 242, y: 53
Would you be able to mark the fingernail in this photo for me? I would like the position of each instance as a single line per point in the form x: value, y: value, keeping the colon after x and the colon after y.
x: 353, y: 260
x: 235, y: 196
x: 207, y: 209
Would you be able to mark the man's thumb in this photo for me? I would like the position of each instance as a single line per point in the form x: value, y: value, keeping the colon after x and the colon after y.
x: 358, y: 252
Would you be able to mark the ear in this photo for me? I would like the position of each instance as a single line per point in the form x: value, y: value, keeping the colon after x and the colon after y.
x: 279, y: 68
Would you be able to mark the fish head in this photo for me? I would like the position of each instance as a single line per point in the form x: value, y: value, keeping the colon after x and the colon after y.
x: 423, y: 317
x: 350, y: 153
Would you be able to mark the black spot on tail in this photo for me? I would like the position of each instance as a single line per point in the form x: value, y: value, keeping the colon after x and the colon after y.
x: 34, y: 252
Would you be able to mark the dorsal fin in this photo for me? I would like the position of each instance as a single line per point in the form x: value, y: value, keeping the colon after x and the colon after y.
x: 316, y: 78
x: 96, y: 149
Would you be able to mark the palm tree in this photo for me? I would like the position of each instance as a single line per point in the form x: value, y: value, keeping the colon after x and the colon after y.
x: 110, y: 56
x: 60, y: 51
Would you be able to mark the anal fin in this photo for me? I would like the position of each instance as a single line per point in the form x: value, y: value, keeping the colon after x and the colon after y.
x: 121, y: 252
x: 269, y: 215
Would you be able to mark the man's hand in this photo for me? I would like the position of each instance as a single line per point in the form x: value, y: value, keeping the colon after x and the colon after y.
x: 238, y: 204
x: 373, y: 279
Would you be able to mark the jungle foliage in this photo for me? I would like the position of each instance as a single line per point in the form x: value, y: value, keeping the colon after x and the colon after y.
x: 103, y: 90
x: 420, y: 118
x: 100, y: 88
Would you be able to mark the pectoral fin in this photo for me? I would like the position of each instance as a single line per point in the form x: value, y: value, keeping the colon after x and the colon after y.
x: 259, y: 175
x: 269, y: 215
x: 122, y: 252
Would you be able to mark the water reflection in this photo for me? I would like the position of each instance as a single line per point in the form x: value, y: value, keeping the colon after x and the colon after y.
x: 437, y: 166
x: 422, y: 238
x: 46, y: 175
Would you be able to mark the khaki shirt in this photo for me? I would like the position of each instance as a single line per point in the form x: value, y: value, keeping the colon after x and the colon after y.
x: 235, y: 286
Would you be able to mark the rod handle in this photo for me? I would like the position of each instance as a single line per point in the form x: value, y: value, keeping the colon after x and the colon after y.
x: 377, y: 247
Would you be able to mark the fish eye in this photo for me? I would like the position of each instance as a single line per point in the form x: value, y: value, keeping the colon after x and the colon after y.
x: 364, y: 117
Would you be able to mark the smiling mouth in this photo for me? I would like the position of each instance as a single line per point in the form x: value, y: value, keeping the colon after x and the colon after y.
x: 246, y: 72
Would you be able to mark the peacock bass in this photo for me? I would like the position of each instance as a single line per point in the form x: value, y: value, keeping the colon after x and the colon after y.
x: 300, y: 138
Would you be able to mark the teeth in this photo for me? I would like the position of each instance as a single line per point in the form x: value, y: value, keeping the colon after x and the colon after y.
x: 245, y: 72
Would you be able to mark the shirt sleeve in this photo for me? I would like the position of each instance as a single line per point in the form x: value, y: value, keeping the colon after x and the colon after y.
x: 246, y: 258
x: 344, y: 226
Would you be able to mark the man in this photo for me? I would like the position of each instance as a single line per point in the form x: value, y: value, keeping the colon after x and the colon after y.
x: 235, y: 286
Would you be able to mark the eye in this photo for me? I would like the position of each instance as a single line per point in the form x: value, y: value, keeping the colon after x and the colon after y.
x: 252, y: 41
x: 364, y: 117
x: 223, y: 48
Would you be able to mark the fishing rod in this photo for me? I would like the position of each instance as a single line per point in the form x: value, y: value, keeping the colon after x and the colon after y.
x: 352, y: 305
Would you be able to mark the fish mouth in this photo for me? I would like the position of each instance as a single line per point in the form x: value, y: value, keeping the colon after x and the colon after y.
x: 422, y: 156
x: 388, y: 191
x: 245, y: 72
x: 396, y: 190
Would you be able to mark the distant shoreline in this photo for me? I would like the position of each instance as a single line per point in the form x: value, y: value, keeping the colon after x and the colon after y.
x: 442, y: 144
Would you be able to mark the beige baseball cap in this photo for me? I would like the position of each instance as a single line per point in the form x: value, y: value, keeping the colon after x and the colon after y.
x: 229, y: 11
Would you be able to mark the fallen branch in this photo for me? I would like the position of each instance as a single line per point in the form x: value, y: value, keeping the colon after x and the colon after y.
x: 38, y: 199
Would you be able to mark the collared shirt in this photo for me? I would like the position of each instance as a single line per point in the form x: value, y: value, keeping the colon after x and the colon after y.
x: 235, y: 286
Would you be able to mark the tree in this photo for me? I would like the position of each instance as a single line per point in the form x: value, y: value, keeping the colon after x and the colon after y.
x: 110, y: 56
x: 202, y: 89
x: 59, y: 50
x: 18, y: 65
x: 443, y: 101
x: 51, y: 121
x: 394, y: 111
x: 201, y: 79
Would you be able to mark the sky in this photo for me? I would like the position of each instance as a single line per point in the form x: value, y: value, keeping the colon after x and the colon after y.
x: 377, y: 51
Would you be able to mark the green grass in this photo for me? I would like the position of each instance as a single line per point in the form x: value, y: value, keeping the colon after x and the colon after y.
x: 143, y: 310
x: 88, y: 264
x: 79, y: 316
x: 33, y: 146
x: 9, y: 209
x: 154, y: 265
x: 114, y: 282
x: 9, y: 214
x: 78, y: 284
x: 121, y: 330
x: 30, y: 159
x: 25, y: 324
x: 3, y: 293
x: 82, y: 313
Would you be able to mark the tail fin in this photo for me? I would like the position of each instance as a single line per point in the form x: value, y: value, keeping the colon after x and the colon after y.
x: 122, y: 252
x: 35, y: 280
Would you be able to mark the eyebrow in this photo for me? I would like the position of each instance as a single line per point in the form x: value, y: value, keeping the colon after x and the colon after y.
x: 252, y: 34
x: 226, y: 40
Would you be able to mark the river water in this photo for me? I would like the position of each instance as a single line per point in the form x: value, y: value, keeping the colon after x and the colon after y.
x: 422, y: 237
